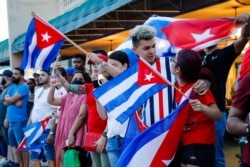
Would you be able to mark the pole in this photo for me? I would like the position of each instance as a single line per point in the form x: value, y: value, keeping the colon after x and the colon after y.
x: 69, y: 40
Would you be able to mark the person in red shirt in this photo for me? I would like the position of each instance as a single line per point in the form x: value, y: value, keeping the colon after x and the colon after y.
x: 94, y: 123
x: 198, y: 136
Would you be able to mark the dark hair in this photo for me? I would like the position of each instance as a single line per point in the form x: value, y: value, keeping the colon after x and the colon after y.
x: 48, y: 71
x: 20, y: 70
x: 191, y: 66
x: 120, y: 56
x: 100, y: 51
x: 32, y: 80
x: 82, y: 57
x: 85, y: 76
x: 62, y: 71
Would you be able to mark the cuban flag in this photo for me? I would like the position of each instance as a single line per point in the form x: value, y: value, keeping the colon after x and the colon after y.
x: 157, y: 145
x: 33, y: 147
x: 128, y: 91
x: 134, y: 128
x: 173, y: 34
x: 197, y: 34
x: 42, y: 44
x: 33, y: 131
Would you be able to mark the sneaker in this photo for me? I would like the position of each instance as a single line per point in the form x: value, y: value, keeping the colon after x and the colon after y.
x: 10, y: 164
x: 44, y: 163
x: 3, y: 161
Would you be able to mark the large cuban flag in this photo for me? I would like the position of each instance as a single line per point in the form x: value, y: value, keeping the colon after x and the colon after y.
x: 128, y: 91
x: 157, y: 145
x: 173, y: 34
x: 42, y: 44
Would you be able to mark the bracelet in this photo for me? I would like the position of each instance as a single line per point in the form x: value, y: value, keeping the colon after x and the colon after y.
x: 248, y: 129
x: 52, y: 133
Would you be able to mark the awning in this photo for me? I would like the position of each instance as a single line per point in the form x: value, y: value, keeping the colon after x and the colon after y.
x: 75, y: 18
x: 4, y: 54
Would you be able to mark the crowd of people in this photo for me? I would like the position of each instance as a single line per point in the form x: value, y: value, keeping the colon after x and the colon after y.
x: 65, y: 96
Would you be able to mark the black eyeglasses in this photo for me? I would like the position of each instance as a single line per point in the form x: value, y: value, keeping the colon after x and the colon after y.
x: 173, y: 60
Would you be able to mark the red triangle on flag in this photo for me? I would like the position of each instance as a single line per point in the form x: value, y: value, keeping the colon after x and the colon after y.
x: 46, y: 35
x: 147, y: 75
x: 22, y: 144
x: 45, y: 122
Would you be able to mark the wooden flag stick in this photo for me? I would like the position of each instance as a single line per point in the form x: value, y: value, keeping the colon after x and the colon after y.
x: 69, y: 40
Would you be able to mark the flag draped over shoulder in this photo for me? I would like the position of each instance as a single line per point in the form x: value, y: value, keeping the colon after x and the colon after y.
x: 128, y: 91
x: 32, y: 132
x: 42, y: 44
x: 156, y: 146
x: 173, y: 34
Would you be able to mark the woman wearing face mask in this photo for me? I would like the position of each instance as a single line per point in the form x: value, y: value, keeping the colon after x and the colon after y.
x: 72, y: 121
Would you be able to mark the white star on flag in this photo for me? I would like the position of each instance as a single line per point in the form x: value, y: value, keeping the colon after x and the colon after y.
x: 46, y: 37
x: 200, y: 37
x: 149, y: 77
x: 167, y: 162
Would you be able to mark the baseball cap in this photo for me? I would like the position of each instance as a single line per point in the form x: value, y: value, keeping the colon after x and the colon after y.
x: 7, y: 73
x: 70, y: 71
x: 100, y: 56
x: 38, y: 72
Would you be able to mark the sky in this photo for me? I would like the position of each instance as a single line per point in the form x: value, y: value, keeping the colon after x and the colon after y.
x: 3, y: 19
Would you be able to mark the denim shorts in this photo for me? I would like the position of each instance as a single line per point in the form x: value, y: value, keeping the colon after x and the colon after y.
x: 48, y: 149
x: 198, y: 154
x: 114, y: 147
x: 15, y: 132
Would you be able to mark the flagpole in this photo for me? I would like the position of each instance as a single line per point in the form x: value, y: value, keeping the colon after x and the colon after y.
x: 166, y: 80
x: 68, y: 39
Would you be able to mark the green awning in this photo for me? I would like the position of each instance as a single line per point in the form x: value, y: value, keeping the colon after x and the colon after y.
x: 76, y: 18
x: 4, y: 51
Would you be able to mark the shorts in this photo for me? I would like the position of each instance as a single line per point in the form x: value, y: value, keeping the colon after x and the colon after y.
x: 198, y: 154
x: 48, y: 149
x: 15, y: 132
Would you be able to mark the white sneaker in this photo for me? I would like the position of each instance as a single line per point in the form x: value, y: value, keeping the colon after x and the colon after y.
x: 3, y: 161
x: 43, y: 164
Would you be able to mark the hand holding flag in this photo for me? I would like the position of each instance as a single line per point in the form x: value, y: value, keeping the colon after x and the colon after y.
x: 42, y: 44
x: 128, y: 91
x: 196, y: 34
x: 32, y: 132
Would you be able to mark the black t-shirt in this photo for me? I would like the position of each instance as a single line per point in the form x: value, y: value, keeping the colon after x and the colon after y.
x: 219, y: 62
